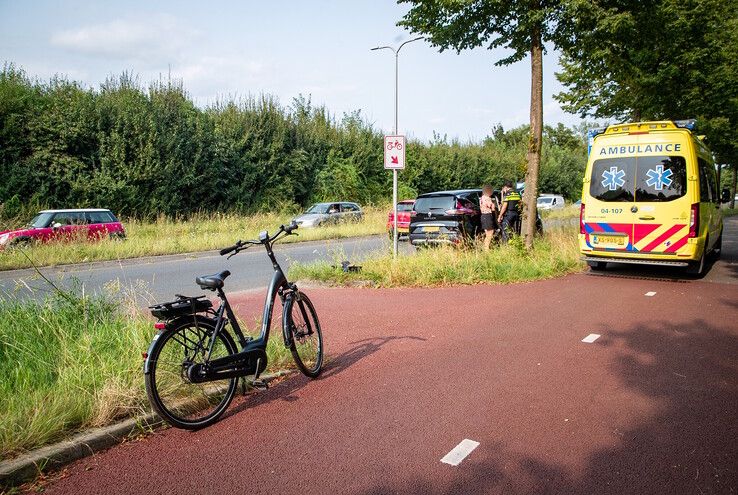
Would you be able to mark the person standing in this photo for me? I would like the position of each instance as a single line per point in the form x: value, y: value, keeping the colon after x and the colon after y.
x: 488, y: 209
x: 509, y: 213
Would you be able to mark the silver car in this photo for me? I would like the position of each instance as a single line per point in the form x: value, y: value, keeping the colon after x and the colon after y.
x: 329, y: 213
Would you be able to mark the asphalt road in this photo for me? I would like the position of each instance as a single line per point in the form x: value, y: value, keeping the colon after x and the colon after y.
x: 577, y: 385
x: 651, y: 406
x: 160, y: 277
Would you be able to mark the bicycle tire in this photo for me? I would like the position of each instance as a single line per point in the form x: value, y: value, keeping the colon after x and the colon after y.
x: 175, y: 399
x: 302, y: 329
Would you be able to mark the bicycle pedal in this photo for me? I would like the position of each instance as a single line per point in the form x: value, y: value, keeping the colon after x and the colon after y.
x: 260, y: 385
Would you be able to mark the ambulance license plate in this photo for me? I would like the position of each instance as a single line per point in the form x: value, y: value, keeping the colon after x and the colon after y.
x: 610, y: 241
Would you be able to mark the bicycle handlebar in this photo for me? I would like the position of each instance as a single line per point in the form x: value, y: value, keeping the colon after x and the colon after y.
x: 241, y: 245
x: 227, y: 250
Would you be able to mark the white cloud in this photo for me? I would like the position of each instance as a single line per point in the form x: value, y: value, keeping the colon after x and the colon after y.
x: 156, y: 38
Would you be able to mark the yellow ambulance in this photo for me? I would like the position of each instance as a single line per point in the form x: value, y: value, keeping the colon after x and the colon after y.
x: 650, y: 196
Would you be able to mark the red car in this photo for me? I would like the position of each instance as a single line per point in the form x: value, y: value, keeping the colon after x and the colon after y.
x: 404, y: 208
x: 65, y: 225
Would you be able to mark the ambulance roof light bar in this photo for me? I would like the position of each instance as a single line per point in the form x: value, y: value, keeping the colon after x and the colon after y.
x: 690, y: 124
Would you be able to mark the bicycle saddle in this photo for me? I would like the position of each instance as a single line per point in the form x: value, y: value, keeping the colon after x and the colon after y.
x: 212, y: 281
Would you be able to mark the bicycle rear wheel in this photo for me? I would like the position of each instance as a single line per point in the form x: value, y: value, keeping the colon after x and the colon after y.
x: 300, y: 324
x: 173, y: 396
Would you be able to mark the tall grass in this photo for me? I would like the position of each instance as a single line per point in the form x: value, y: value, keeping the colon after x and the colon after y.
x: 73, y: 362
x: 198, y: 233
x: 568, y: 211
x: 555, y: 254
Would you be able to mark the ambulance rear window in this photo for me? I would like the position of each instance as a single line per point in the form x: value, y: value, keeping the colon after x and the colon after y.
x: 661, y: 178
x: 639, y: 178
x: 612, y: 179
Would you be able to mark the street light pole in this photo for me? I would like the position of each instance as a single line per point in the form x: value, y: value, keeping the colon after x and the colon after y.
x: 396, y: 130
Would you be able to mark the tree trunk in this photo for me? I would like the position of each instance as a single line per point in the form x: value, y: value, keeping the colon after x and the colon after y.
x: 534, y: 142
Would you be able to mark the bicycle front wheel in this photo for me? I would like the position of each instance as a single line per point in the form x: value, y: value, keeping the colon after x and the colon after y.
x: 301, y: 326
x: 173, y: 396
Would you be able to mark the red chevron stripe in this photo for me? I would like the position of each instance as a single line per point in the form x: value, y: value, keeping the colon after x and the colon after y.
x: 674, y: 247
x: 663, y: 237
x: 641, y: 230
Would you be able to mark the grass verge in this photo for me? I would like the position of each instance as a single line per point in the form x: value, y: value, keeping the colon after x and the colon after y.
x: 73, y: 362
x: 555, y: 254
x: 568, y: 211
x: 199, y: 233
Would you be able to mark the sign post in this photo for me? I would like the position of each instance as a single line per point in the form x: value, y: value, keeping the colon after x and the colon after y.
x: 394, y: 159
x: 398, y: 163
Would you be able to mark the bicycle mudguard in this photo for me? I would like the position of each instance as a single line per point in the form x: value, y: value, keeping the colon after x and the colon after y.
x: 200, y: 320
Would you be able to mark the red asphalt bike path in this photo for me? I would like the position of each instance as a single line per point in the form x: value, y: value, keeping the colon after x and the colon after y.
x: 649, y: 407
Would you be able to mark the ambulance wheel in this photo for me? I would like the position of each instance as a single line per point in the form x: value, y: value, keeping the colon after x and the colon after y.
x: 697, y: 268
x: 597, y: 266
x: 717, y: 249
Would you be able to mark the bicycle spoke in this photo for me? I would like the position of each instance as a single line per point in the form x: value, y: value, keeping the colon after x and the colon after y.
x: 176, y: 397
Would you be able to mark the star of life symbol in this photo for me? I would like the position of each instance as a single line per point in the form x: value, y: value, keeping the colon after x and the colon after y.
x: 659, y: 178
x: 613, y: 178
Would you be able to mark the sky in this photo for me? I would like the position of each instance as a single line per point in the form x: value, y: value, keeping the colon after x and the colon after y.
x: 317, y: 48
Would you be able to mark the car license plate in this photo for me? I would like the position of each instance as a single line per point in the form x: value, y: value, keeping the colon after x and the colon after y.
x: 610, y: 241
x: 403, y: 230
x: 431, y: 229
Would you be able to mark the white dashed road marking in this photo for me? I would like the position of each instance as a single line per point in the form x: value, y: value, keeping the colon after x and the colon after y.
x: 460, y: 452
x: 591, y: 338
x: 650, y: 294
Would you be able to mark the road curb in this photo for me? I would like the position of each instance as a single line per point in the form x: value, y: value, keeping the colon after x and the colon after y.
x: 28, y: 466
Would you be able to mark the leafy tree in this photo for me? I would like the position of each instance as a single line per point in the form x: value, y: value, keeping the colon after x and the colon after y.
x: 145, y: 152
x: 522, y: 26
x: 661, y: 59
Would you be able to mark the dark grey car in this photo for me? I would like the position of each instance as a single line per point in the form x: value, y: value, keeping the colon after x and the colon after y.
x: 330, y: 214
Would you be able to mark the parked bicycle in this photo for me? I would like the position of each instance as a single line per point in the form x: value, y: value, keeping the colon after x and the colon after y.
x: 193, y: 364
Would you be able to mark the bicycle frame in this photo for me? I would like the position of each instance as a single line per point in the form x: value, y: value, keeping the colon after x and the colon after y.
x: 240, y: 364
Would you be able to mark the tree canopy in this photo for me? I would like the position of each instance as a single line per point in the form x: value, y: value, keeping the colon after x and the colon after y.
x: 656, y: 59
x: 521, y: 26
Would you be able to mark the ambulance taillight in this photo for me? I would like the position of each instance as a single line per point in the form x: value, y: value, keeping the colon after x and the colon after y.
x: 694, y: 220
x: 581, y: 219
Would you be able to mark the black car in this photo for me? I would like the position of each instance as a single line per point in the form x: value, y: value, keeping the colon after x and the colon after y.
x: 445, y: 217
x: 450, y: 217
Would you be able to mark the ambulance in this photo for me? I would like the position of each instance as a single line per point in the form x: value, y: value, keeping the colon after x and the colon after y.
x: 650, y: 196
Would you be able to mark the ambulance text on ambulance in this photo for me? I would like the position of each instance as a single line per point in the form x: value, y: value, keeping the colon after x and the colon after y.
x: 638, y: 149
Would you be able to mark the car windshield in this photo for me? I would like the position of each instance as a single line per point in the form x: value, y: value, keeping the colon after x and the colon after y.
x: 542, y: 201
x: 404, y: 206
x: 41, y: 220
x: 318, y: 208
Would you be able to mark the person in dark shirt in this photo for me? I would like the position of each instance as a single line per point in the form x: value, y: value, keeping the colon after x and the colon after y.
x: 509, y: 212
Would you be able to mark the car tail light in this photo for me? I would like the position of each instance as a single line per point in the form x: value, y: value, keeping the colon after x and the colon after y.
x: 694, y: 220
x: 459, y: 209
x: 160, y: 325
x: 582, y: 230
